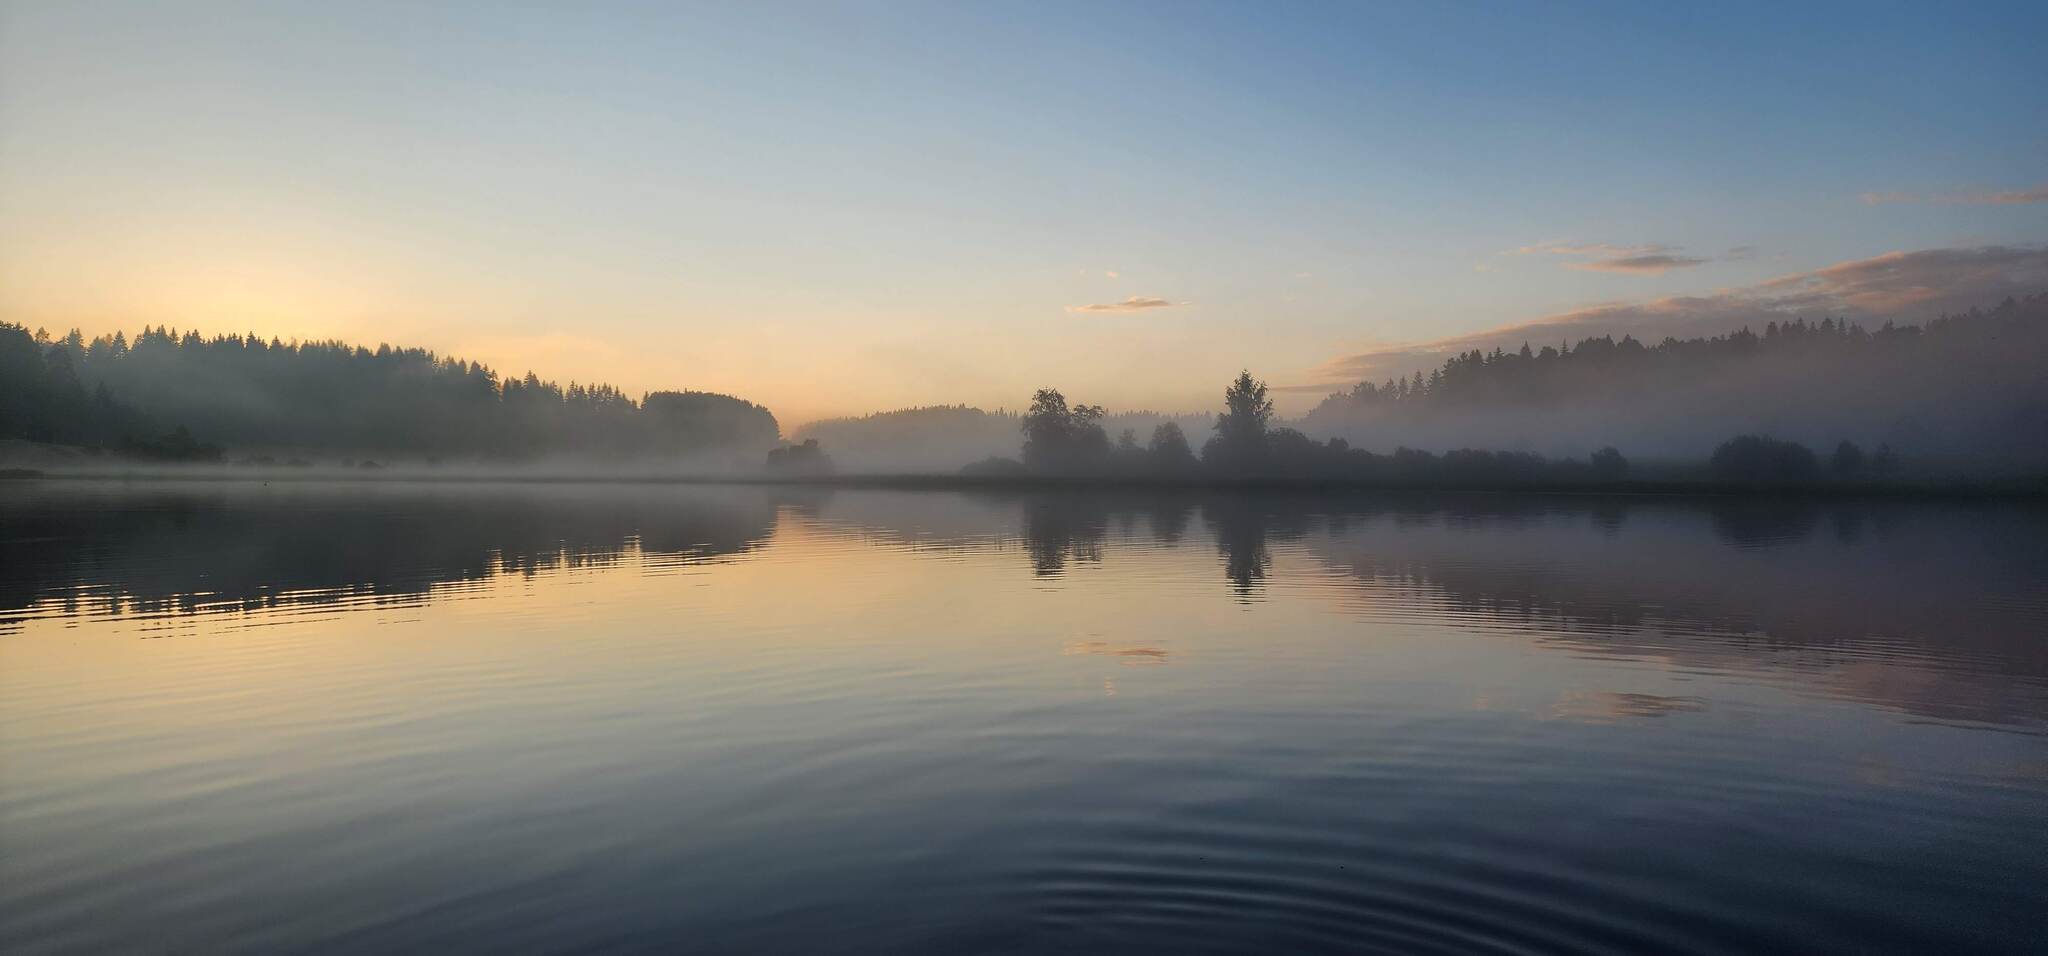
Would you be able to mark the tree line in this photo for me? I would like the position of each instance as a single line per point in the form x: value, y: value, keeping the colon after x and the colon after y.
x: 1966, y: 389
x: 1064, y: 439
x: 1550, y: 374
x: 939, y: 438
x: 246, y: 392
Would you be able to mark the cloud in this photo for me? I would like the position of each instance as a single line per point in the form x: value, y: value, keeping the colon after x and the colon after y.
x: 1906, y: 286
x: 1639, y: 265
x: 1109, y: 273
x: 1739, y: 253
x: 2016, y: 197
x: 1602, y: 249
x: 1136, y: 303
x: 2010, y: 197
x: 1648, y: 259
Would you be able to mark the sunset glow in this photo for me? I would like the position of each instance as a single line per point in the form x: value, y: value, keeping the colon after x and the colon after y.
x: 937, y: 204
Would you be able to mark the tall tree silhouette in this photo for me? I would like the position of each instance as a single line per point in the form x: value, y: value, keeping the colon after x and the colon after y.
x: 1062, y: 439
x: 1240, y: 442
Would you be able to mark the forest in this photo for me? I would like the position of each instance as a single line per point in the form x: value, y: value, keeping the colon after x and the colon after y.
x: 1063, y: 439
x: 1960, y: 396
x: 252, y: 395
x: 1060, y: 439
x: 1965, y: 392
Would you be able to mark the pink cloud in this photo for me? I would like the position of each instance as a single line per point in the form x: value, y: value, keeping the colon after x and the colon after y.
x: 1136, y: 303
x: 2010, y: 197
x: 1647, y: 259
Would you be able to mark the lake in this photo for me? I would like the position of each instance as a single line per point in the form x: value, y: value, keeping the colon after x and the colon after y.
x: 384, y: 717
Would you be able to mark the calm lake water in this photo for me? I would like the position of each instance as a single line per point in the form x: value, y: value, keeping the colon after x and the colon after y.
x: 383, y: 717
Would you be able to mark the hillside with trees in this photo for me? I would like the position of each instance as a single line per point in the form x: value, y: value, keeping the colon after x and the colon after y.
x: 1967, y: 390
x: 1962, y: 395
x: 251, y: 394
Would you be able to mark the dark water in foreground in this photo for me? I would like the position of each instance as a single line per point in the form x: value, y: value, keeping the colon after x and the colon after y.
x: 383, y: 718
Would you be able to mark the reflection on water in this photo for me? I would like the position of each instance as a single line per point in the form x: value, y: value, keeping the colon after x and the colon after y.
x: 236, y: 548
x: 374, y: 716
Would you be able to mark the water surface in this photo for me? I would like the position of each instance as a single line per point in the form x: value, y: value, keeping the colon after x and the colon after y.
x: 386, y: 717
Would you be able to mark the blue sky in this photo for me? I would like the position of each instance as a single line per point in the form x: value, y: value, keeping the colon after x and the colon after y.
x: 839, y: 208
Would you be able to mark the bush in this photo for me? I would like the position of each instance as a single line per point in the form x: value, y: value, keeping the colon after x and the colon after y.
x: 804, y: 459
x: 1848, y: 460
x: 1761, y: 458
x: 1608, y: 465
x: 995, y: 466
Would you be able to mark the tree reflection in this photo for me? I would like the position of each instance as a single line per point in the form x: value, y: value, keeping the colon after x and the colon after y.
x: 1755, y: 523
x: 184, y: 548
x: 1063, y: 528
x: 1240, y: 532
x: 1777, y: 586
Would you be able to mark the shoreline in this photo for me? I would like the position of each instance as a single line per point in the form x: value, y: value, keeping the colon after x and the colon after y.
x: 2021, y: 490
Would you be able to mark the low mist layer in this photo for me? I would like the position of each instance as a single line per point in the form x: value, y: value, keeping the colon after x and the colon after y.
x: 172, y: 397
x: 1961, y: 396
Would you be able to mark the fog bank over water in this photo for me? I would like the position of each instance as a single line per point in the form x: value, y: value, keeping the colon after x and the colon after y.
x: 1967, y: 392
x: 1958, y: 396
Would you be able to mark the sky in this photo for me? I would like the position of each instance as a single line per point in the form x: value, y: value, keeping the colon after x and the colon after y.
x: 842, y: 208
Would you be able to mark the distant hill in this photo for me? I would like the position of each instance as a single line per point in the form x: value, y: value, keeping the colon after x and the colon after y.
x: 1968, y: 389
x: 246, y: 393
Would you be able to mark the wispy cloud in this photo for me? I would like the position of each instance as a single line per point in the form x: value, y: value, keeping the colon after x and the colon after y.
x: 2009, y: 197
x: 1657, y: 264
x: 1647, y: 259
x: 2014, y: 197
x: 1739, y: 253
x: 1897, y: 285
x: 1136, y: 303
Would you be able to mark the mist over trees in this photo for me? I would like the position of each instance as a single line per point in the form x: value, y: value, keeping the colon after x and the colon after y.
x: 1066, y: 440
x: 802, y: 459
x: 1962, y: 395
x: 248, y: 393
x: 1966, y: 388
x: 941, y: 438
x: 1242, y: 443
x: 1761, y: 458
x: 933, y: 438
x: 1061, y: 439
x: 42, y: 397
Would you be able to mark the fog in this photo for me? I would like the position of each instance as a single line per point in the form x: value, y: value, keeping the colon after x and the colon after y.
x: 1964, y: 394
x: 1961, y: 396
x: 942, y: 439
